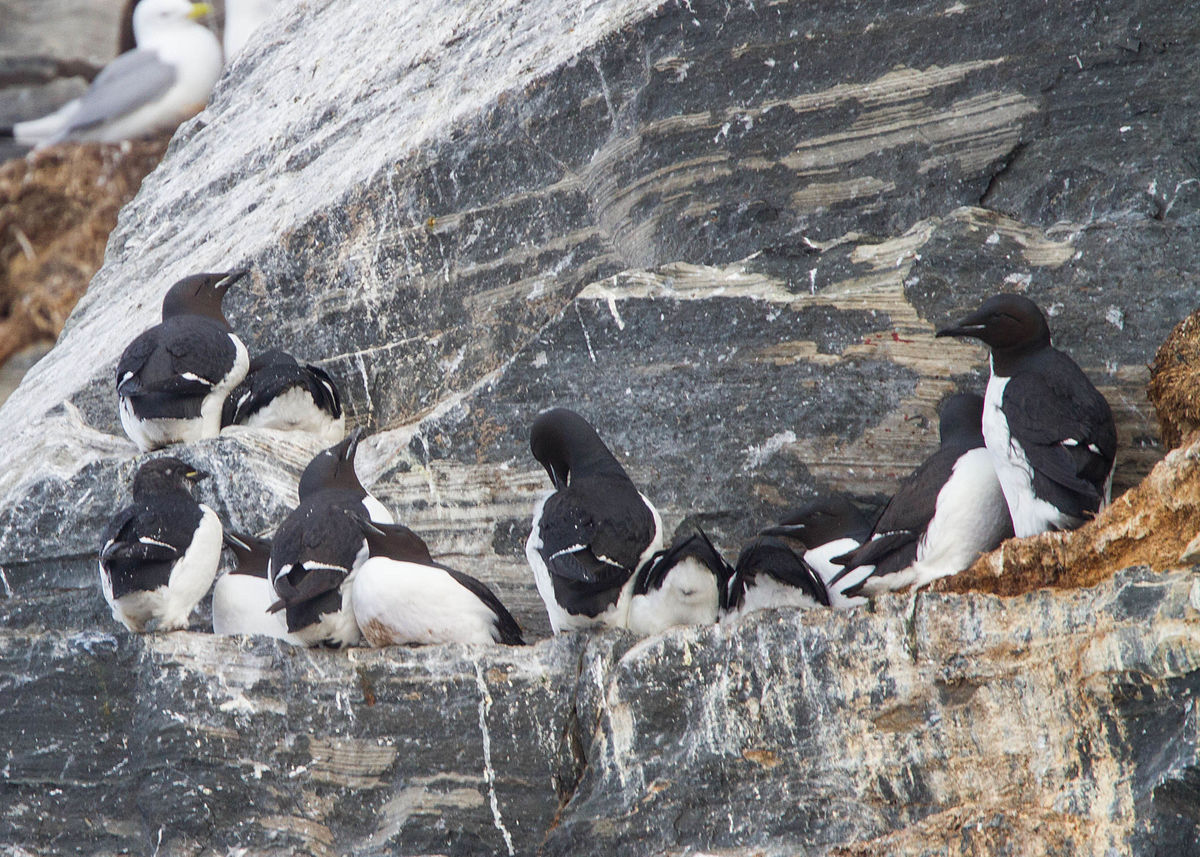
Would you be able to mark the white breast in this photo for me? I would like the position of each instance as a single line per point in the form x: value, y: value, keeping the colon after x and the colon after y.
x: 688, y: 596
x: 1030, y: 514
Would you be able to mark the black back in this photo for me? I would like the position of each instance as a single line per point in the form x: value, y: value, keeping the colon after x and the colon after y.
x: 892, y: 543
x: 773, y: 557
x: 396, y: 541
x: 1048, y: 400
x: 321, y: 540
x: 272, y: 374
x: 825, y: 519
x: 697, y: 545
x: 164, y: 513
x: 152, y: 368
x: 596, y: 525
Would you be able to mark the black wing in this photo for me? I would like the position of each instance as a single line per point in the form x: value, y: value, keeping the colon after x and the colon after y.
x: 320, y: 541
x: 506, y: 625
x: 142, y: 543
x: 568, y: 530
x: 268, y: 379
x: 184, y: 356
x: 1066, y: 429
x: 823, y: 520
x: 771, y: 556
x: 324, y: 391
x: 696, y: 545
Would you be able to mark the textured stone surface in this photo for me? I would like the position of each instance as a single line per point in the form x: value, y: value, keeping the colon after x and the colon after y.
x: 1053, y: 723
x: 727, y: 235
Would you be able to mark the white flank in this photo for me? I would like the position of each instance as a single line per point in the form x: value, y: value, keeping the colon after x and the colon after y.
x: 405, y: 603
x: 239, y: 606
x: 768, y: 593
x: 296, y: 411
x: 821, y: 560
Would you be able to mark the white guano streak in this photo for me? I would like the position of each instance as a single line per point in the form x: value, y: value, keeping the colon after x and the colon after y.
x: 489, y: 773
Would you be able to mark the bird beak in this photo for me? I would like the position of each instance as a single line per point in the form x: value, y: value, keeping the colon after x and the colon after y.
x: 352, y: 444
x: 233, y: 276
x: 195, y: 475
x: 234, y: 540
x: 200, y: 10
x: 973, y: 326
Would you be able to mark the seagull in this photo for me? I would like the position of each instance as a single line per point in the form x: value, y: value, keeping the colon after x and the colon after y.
x: 167, y: 78
x: 1050, y: 432
x: 592, y: 532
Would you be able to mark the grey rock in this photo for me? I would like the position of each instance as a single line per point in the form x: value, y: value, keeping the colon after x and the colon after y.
x: 1018, y: 726
x: 727, y: 235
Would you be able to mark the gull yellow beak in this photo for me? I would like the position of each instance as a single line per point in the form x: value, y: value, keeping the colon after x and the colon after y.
x: 200, y: 10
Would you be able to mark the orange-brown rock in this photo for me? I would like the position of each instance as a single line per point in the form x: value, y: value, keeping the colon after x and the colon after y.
x: 1175, y: 382
x: 1155, y: 523
x: 56, y: 209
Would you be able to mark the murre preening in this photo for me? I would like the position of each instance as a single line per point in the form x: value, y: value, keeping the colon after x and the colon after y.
x: 159, y: 555
x: 1049, y: 430
x: 592, y: 532
x: 686, y: 584
x: 172, y: 379
x: 944, y: 515
x: 828, y: 526
x: 769, y: 573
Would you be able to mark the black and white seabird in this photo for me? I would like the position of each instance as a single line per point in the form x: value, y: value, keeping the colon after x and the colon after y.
x: 164, y: 80
x: 280, y: 393
x: 945, y: 514
x: 1049, y: 430
x: 160, y: 554
x: 826, y: 527
x: 172, y: 380
x: 320, y: 546
x: 592, y: 532
x: 314, y: 556
x: 770, y: 574
x: 333, y: 470
x: 402, y: 597
x: 686, y: 584
x: 243, y: 595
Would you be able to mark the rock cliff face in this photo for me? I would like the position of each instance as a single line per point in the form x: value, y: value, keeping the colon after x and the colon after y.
x: 727, y: 235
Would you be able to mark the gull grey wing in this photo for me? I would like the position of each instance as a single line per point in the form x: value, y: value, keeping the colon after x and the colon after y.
x: 131, y: 80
